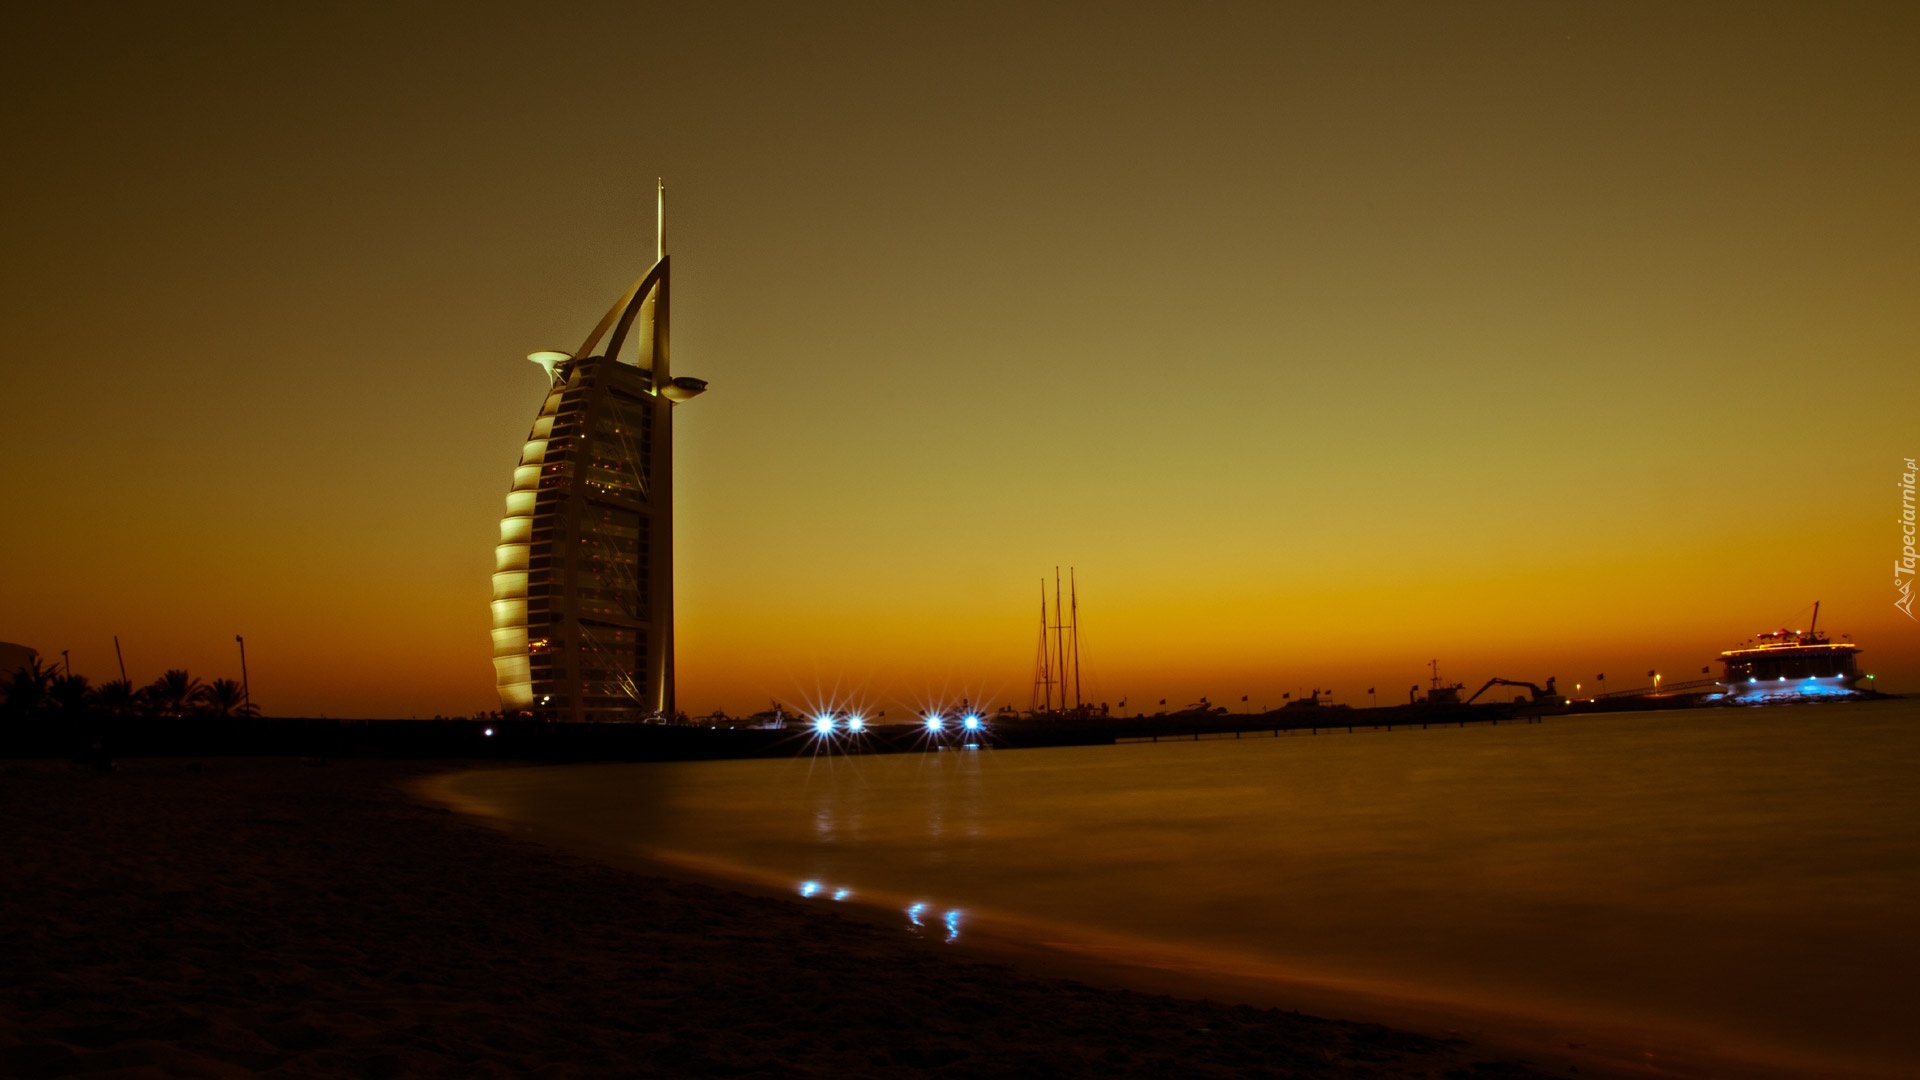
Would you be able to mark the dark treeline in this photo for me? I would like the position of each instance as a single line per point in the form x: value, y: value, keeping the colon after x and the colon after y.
x: 38, y: 692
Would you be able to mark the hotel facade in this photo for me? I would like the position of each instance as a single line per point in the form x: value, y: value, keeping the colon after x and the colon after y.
x: 583, y: 573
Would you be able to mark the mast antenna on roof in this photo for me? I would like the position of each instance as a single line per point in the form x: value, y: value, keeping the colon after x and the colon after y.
x: 660, y: 220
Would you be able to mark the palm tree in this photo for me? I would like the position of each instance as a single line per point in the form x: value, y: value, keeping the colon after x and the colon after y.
x: 115, y: 697
x: 172, y: 694
x: 27, y: 690
x: 224, y: 697
x: 68, y: 692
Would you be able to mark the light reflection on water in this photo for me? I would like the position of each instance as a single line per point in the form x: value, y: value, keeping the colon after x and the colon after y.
x: 1744, y: 873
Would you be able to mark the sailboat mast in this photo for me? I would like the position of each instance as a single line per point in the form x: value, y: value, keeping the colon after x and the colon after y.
x: 1060, y: 639
x: 1073, y: 594
x: 1040, y: 682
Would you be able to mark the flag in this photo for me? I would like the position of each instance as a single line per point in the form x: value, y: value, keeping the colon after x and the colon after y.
x: 1243, y: 697
x: 1369, y: 689
x: 1163, y: 701
x: 1651, y: 674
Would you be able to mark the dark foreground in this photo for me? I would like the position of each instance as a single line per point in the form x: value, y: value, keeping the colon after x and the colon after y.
x: 245, y: 916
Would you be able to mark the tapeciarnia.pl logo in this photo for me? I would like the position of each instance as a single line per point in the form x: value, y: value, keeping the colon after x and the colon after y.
x: 1904, y: 564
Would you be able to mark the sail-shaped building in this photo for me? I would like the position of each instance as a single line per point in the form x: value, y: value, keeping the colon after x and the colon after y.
x: 583, y: 575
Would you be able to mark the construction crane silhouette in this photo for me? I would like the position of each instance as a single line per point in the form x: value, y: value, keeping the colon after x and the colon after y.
x: 1539, y: 693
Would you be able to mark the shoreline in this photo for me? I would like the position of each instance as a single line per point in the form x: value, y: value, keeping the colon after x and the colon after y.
x: 100, y: 737
x: 234, y: 916
x: 1561, y: 1044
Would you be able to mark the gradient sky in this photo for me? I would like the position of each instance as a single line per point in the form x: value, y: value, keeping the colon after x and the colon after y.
x: 1324, y: 340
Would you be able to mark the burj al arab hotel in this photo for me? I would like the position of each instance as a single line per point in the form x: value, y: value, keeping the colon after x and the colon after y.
x: 583, y: 574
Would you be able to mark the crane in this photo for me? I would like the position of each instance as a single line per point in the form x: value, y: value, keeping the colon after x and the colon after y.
x: 1539, y: 694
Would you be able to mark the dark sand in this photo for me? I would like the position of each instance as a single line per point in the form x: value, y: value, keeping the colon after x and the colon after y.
x: 240, y: 917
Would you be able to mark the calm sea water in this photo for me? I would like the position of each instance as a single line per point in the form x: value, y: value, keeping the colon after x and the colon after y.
x: 1744, y: 880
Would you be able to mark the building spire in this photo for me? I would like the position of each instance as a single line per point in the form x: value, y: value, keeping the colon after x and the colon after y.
x: 660, y: 220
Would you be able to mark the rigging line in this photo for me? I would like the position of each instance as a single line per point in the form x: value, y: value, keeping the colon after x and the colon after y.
x: 1041, y: 698
x: 1092, y: 676
x: 1074, y: 587
x: 1792, y: 622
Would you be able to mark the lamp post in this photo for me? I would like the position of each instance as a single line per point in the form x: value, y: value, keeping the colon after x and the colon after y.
x: 246, y: 691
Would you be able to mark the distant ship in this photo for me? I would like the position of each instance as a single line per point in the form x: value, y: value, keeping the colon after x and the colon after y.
x: 1439, y: 692
x: 1790, y: 664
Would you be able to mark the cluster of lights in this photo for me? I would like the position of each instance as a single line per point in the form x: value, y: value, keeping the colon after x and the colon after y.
x: 951, y: 919
x: 812, y: 889
x: 1785, y: 688
x: 824, y: 724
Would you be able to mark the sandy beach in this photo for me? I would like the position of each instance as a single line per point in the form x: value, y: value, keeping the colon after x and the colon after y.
x: 231, y: 917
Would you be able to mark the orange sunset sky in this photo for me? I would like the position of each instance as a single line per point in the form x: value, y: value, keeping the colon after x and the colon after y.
x: 1322, y: 339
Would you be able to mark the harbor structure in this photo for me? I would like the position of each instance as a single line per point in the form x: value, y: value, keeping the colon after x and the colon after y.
x: 583, y: 572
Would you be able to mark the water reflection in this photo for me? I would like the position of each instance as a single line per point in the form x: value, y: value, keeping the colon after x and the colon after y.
x: 1745, y: 874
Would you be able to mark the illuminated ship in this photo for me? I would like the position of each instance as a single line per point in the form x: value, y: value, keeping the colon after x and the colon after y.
x: 1790, y: 664
x: 583, y: 577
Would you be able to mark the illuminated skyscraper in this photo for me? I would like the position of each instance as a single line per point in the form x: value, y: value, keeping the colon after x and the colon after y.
x: 583, y: 575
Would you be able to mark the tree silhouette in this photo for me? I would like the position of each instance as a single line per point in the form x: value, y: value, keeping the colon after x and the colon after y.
x: 115, y: 697
x: 172, y: 694
x: 27, y: 690
x: 224, y: 697
x: 68, y: 693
